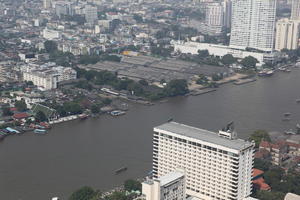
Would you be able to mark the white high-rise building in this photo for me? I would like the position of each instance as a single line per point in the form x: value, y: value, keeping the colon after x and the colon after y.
x: 295, y: 14
x: 47, y: 4
x: 214, y: 17
x: 287, y: 34
x: 168, y: 187
x: 217, y: 166
x: 91, y: 14
x: 253, y: 24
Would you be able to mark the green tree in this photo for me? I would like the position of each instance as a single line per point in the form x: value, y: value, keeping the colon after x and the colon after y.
x: 270, y: 195
x: 95, y: 109
x: 202, y: 80
x: 50, y: 46
x: 262, y: 164
x: 217, y: 77
x: 21, y: 105
x: 117, y: 196
x: 40, y: 116
x: 143, y: 82
x: 228, y: 59
x: 203, y: 53
x: 29, y: 83
x: 249, y: 62
x: 177, y: 87
x: 274, y: 176
x: 138, y: 18
x: 106, y: 101
x: 258, y: 136
x: 72, y: 108
x: 84, y: 193
x: 132, y: 185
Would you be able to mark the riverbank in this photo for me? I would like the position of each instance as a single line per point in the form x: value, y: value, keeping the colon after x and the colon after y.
x: 238, y: 79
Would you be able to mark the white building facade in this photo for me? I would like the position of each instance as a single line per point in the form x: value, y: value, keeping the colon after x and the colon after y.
x: 168, y: 187
x: 214, y: 17
x: 295, y: 13
x: 253, y: 24
x: 44, y: 81
x: 51, y: 34
x: 91, y: 15
x: 216, y: 166
x: 47, y: 4
x: 222, y: 50
x: 47, y: 76
x: 287, y: 34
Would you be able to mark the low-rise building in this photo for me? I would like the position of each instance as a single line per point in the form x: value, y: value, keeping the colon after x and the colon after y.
x: 221, y: 50
x: 50, y: 34
x: 168, y: 187
x: 278, y: 151
x: 258, y: 180
x: 48, y: 75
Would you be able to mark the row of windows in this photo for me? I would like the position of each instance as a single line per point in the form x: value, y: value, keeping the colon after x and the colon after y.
x: 196, y: 144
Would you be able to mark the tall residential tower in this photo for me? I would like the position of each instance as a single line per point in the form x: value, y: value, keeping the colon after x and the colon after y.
x: 295, y: 15
x: 253, y: 24
x: 287, y: 34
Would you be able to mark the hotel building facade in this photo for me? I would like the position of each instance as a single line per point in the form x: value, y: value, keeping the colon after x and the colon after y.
x: 217, y: 166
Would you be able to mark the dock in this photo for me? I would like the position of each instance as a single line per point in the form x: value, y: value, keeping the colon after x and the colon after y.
x: 244, y: 81
x: 202, y: 91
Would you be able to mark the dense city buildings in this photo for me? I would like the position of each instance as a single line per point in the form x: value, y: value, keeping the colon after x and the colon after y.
x: 168, y: 187
x: 218, y: 165
x: 253, y: 24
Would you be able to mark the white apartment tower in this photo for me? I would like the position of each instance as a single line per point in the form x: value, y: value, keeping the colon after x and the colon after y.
x: 91, y: 14
x: 168, y: 187
x: 217, y: 166
x: 47, y: 4
x: 287, y: 34
x: 253, y: 24
x: 214, y: 15
x: 295, y: 14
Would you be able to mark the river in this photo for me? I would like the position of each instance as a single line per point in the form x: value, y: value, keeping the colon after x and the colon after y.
x: 78, y: 153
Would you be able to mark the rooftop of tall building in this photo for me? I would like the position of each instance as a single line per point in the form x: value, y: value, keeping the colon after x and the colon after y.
x: 204, y: 135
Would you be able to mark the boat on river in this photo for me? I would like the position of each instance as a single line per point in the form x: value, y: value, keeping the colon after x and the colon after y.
x: 83, y: 116
x: 122, y: 169
x: 40, y: 131
x: 117, y: 113
x: 287, y: 114
x: 265, y: 73
x: 290, y: 132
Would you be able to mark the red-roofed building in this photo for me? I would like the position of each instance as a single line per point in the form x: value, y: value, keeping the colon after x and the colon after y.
x: 257, y: 173
x: 258, y: 181
x: 13, y: 109
x: 20, y: 116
